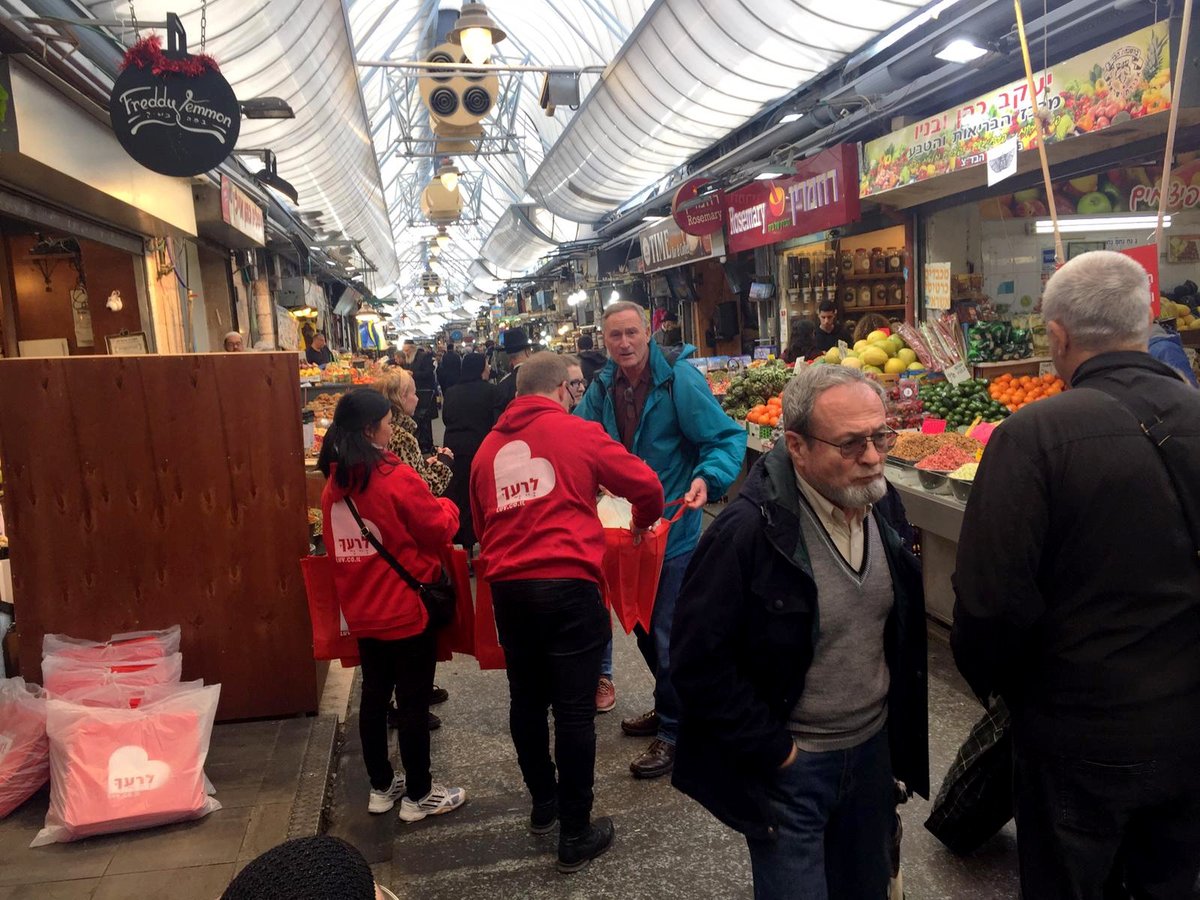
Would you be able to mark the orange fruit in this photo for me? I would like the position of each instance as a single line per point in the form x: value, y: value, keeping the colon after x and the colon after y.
x: 773, y: 421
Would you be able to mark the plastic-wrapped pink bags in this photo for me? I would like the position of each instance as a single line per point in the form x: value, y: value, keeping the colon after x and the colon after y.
x: 63, y: 674
x: 117, y: 769
x: 129, y: 647
x: 24, y: 748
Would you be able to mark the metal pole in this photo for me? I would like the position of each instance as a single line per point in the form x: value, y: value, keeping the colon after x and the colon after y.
x: 471, y: 68
x: 1164, y: 191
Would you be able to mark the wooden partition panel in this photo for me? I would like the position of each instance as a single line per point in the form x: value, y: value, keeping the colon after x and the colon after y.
x: 142, y: 492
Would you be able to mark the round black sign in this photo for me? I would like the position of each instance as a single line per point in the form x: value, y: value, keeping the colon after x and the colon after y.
x: 175, y: 124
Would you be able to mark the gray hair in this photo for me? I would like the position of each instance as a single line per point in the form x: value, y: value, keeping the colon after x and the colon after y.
x: 1101, y: 299
x: 624, y: 306
x: 801, y: 393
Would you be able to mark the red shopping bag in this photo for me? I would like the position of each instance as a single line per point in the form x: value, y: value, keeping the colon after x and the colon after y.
x: 459, y: 636
x: 488, y: 651
x: 631, y: 570
x: 24, y: 748
x: 120, y: 769
x: 331, y: 635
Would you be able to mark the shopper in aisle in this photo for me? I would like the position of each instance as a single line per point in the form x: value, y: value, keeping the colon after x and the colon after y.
x: 424, y: 373
x: 591, y: 359
x: 320, y: 867
x: 664, y: 413
x: 233, y: 343
x: 319, y: 353
x: 518, y: 349
x: 1167, y: 347
x: 449, y: 369
x: 803, y: 342
x: 669, y: 333
x: 830, y: 330
x: 398, y: 649
x: 469, y: 414
x: 1077, y: 599
x: 868, y: 323
x: 533, y: 494
x: 798, y: 652
x: 576, y: 383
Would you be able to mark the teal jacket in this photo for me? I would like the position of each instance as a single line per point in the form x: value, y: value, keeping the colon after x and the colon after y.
x: 683, y: 435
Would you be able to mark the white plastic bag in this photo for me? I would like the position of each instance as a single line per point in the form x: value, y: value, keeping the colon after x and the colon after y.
x: 61, y: 674
x: 24, y: 748
x: 615, y: 512
x: 117, y: 770
x: 127, y: 696
x: 133, y: 645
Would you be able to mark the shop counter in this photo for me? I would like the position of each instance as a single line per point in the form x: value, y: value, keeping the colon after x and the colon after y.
x: 939, y: 516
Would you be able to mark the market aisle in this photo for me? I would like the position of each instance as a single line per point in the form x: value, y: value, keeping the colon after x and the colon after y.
x: 666, y: 845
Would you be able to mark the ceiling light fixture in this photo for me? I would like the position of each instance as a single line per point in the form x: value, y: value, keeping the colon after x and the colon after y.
x: 269, y: 175
x: 442, y: 238
x: 767, y: 176
x: 476, y: 33
x: 791, y: 117
x: 366, y: 313
x: 267, y: 108
x: 961, y: 50
x: 614, y: 297
x: 448, y: 174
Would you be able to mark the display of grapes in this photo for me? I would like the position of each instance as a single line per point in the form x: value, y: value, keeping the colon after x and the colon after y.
x: 963, y: 404
x: 754, y: 386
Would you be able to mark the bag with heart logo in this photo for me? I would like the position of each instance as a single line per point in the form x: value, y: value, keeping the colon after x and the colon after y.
x: 439, y: 598
x: 62, y: 674
x: 133, y: 646
x: 118, y: 769
x: 631, y: 569
x: 24, y: 747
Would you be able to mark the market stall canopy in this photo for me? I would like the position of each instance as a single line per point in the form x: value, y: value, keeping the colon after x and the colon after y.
x: 691, y: 73
x: 524, y: 234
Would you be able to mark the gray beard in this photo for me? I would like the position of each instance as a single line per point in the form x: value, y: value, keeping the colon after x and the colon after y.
x: 855, y: 496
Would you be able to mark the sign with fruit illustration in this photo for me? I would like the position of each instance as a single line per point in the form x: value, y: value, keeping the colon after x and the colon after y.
x: 1123, y: 80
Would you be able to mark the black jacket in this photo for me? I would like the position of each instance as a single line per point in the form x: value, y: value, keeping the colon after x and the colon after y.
x: 449, y: 371
x: 469, y: 411
x: 1078, y: 585
x: 506, y: 392
x: 742, y: 641
x: 592, y: 361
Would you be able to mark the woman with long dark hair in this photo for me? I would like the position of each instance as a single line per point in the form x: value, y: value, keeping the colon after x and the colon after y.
x: 398, y: 649
x: 803, y: 344
x: 469, y: 414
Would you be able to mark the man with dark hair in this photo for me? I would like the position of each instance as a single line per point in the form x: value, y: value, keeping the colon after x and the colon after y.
x: 829, y: 329
x: 798, y: 652
x: 533, y: 498
x: 669, y: 333
x: 319, y: 353
x: 591, y: 360
x: 449, y: 370
x: 1078, y: 600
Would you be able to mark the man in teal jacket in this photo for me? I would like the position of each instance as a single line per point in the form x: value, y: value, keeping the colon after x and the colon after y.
x: 663, y: 411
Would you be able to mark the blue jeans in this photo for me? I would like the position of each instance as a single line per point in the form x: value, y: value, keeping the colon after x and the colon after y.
x: 836, y: 814
x: 656, y: 645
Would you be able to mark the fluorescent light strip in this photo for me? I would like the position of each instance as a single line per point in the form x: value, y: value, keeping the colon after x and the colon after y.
x: 1100, y: 223
x: 767, y: 176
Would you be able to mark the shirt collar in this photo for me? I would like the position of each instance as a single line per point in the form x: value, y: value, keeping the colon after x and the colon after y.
x: 644, y: 378
x: 827, y: 509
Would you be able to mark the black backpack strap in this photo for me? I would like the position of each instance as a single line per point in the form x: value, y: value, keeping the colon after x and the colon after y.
x: 381, y: 550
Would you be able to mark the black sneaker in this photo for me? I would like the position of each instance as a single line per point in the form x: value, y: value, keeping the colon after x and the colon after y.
x: 438, y: 695
x: 434, y: 722
x: 543, y: 817
x: 574, y: 853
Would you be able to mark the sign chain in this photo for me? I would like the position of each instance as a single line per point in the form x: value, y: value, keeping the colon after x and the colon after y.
x: 203, y: 24
x: 137, y: 34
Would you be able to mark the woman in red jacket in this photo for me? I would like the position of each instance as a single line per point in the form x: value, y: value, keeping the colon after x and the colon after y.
x: 397, y: 648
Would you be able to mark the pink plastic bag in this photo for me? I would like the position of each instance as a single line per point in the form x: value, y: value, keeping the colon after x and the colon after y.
x: 62, y: 674
x: 127, y: 696
x: 133, y: 645
x: 117, y: 770
x: 24, y: 748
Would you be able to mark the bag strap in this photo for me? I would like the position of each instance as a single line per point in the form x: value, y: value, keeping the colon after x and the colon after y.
x: 1151, y: 424
x: 381, y: 550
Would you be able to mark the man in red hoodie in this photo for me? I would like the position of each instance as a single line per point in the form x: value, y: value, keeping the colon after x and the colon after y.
x: 533, y: 490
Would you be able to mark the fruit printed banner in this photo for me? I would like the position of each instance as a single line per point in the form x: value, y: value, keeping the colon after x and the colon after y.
x: 1123, y: 80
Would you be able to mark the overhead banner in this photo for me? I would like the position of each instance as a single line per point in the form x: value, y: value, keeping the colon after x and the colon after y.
x: 241, y: 213
x: 664, y: 246
x: 1125, y: 79
x: 822, y: 194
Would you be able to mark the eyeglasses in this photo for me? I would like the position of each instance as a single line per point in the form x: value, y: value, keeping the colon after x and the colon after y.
x: 855, y: 447
x: 577, y: 384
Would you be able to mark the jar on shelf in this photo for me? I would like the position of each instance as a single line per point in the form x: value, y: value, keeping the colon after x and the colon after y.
x: 878, y: 261
x: 849, y: 297
x: 879, y: 294
x: 862, y: 261
x: 895, y: 260
x: 897, y: 294
x: 865, y: 295
x: 846, y: 261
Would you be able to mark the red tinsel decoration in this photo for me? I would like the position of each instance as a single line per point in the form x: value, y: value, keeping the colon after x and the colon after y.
x: 148, y: 53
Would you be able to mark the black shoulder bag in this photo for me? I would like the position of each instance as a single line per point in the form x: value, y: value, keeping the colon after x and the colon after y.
x: 439, y: 598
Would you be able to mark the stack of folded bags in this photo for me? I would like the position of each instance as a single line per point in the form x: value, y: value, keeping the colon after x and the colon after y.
x: 121, y: 739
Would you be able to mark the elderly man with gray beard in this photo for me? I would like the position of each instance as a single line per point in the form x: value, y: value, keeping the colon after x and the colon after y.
x: 799, y: 652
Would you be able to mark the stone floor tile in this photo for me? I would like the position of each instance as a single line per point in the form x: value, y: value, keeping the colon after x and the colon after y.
x: 195, y: 883
x: 268, y: 828
x: 215, y: 839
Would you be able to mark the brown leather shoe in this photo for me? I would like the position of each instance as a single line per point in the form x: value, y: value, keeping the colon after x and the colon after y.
x: 658, y: 760
x: 645, y: 725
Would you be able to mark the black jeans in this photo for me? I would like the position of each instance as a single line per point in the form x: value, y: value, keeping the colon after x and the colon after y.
x: 553, y: 634
x: 1083, y: 823
x: 405, y: 667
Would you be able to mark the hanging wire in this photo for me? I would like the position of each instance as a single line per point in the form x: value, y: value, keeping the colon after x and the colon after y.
x: 137, y: 34
x: 203, y: 24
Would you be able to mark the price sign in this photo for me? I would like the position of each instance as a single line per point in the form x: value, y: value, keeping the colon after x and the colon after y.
x: 957, y: 374
x: 1047, y: 368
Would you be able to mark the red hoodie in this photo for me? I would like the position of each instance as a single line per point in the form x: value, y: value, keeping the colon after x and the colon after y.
x: 411, y: 523
x: 533, y: 492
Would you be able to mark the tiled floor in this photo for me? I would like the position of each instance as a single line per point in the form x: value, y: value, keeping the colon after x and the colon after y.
x: 666, y: 844
x: 255, y: 768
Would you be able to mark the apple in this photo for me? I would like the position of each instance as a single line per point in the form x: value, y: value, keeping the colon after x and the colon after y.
x: 1095, y: 203
x: 1077, y: 187
x: 1027, y: 196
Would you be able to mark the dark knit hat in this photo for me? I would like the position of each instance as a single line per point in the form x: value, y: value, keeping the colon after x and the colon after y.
x: 312, y: 868
x: 360, y: 408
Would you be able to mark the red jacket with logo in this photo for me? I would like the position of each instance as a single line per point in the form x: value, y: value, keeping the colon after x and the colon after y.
x: 411, y: 523
x: 533, y: 492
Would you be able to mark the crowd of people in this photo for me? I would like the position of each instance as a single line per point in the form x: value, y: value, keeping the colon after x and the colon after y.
x: 788, y: 639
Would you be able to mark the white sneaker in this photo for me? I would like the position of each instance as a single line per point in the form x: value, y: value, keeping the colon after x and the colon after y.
x: 382, y: 801
x: 438, y: 801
